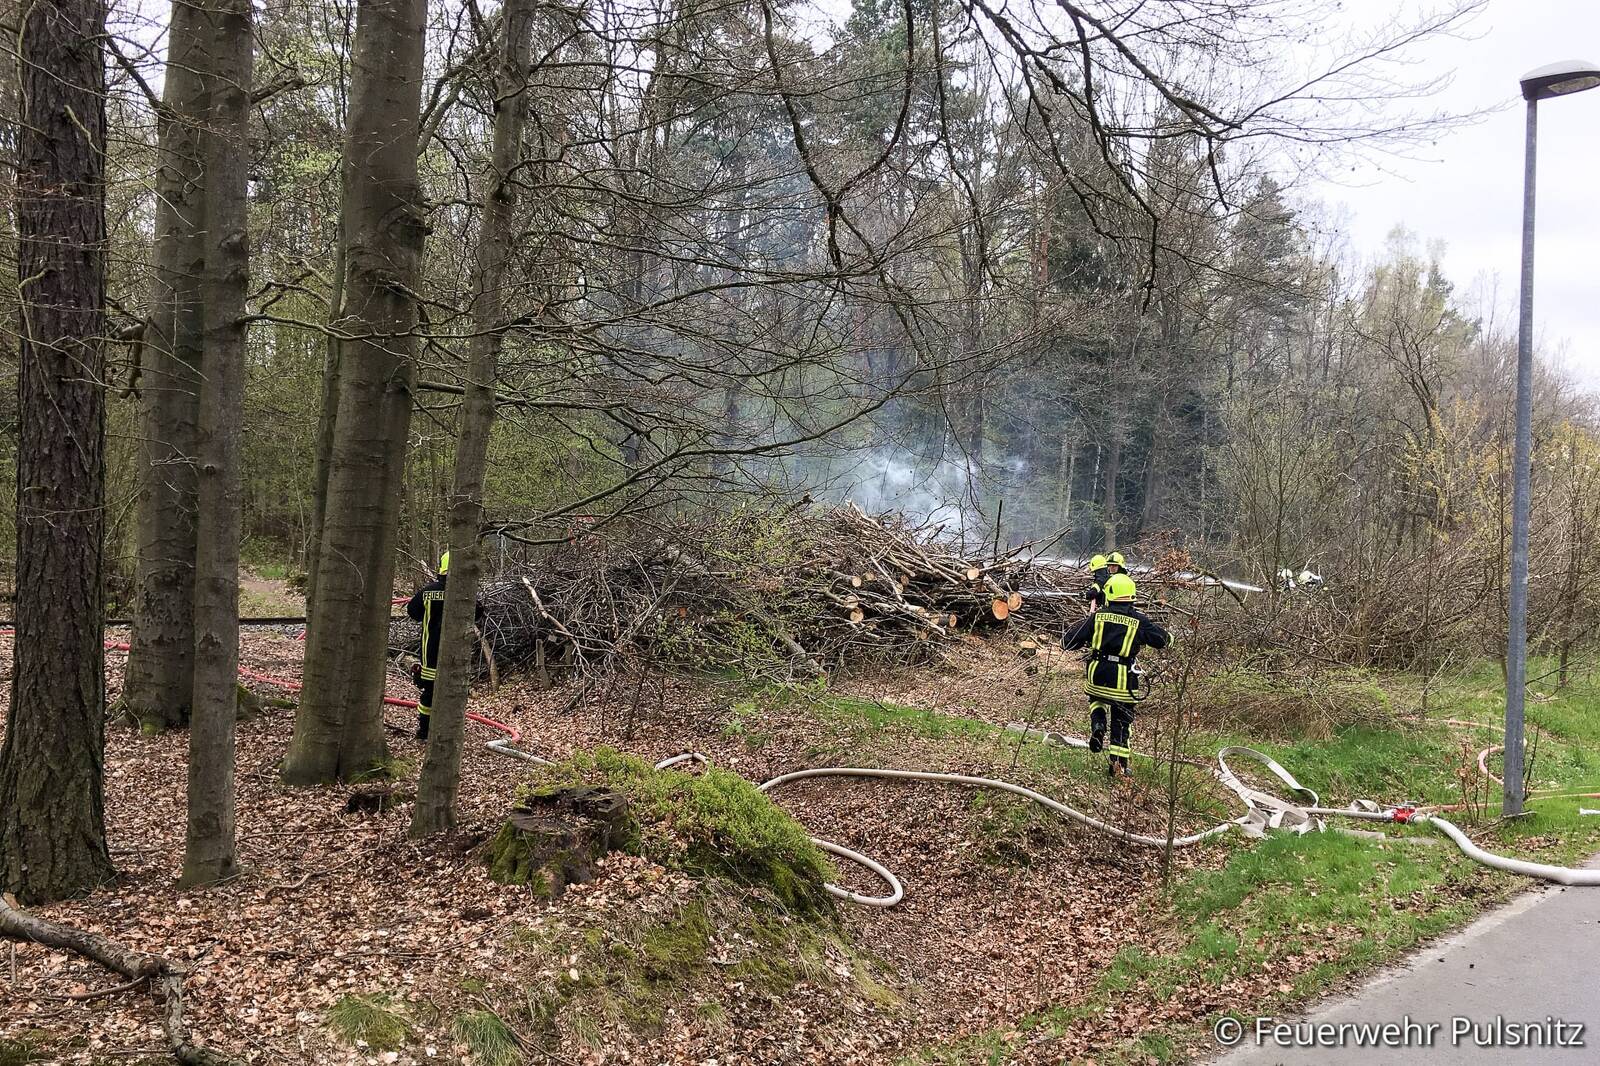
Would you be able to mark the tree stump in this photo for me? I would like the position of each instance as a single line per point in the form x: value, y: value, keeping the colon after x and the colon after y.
x: 553, y: 839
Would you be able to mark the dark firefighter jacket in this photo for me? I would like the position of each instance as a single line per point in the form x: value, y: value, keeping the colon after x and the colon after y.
x: 427, y: 607
x: 1096, y: 595
x: 1114, y: 635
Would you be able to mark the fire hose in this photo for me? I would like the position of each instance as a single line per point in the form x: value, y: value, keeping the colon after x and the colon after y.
x: 1263, y: 811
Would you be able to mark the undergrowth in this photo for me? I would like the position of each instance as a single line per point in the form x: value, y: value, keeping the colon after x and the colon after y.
x: 1314, y: 704
x: 697, y: 958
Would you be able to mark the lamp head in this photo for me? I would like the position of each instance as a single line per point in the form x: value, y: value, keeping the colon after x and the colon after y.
x: 1560, y: 79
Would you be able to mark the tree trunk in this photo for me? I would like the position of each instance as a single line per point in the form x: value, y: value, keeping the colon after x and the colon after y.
x: 160, y: 674
x: 1113, y: 470
x: 440, y: 781
x: 209, y: 847
x: 52, y: 767
x: 326, y: 420
x: 339, y: 725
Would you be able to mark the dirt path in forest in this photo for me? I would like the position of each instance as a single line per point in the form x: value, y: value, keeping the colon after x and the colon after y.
x: 267, y: 597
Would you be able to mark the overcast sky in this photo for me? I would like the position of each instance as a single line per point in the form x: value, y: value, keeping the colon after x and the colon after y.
x: 1466, y: 190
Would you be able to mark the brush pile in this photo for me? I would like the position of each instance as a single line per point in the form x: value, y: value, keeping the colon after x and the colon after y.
x: 784, y: 592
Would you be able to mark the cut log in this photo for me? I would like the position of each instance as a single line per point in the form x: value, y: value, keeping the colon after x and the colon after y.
x: 1014, y: 601
x: 1000, y: 607
x: 555, y: 838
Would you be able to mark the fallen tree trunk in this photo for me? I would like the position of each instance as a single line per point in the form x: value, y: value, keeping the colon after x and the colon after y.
x: 137, y: 967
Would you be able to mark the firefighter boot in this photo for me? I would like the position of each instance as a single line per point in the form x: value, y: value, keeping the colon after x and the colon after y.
x: 1097, y: 727
x: 422, y: 725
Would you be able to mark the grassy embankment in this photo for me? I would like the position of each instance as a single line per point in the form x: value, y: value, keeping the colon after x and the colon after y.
x: 1277, y: 922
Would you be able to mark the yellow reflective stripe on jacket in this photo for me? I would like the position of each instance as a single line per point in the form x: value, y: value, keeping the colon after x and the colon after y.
x: 431, y: 601
x: 1091, y: 688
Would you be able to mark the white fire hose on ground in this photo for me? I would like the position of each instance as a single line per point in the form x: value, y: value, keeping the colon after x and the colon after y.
x: 1263, y: 813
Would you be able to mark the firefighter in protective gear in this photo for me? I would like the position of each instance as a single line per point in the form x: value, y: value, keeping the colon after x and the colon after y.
x: 1099, y: 572
x: 1101, y: 567
x: 1113, y: 637
x: 427, y: 607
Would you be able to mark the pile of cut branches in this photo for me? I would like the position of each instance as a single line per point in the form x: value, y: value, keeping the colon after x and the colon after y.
x: 778, y: 592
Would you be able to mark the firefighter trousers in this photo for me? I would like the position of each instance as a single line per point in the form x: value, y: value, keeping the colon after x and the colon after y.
x: 1119, y: 717
x: 424, y: 708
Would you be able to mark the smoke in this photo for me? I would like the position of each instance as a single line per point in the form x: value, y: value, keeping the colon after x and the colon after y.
x: 953, y: 494
x: 941, y: 495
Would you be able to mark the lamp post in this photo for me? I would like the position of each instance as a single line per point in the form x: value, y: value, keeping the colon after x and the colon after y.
x: 1556, y: 79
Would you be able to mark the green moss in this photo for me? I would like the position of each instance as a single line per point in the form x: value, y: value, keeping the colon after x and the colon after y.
x: 512, y: 862
x: 377, y: 1020
x: 390, y: 769
x: 633, y: 976
x: 710, y: 824
x: 1011, y: 831
x: 677, y: 946
x: 19, y: 1052
x: 248, y: 703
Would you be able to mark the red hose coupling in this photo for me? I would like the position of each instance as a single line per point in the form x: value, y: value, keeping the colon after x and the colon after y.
x: 1404, y: 814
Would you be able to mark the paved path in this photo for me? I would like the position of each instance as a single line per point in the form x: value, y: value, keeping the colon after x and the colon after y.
x: 1532, y: 962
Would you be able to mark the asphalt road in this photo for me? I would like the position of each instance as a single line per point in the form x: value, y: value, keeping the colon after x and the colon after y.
x: 1529, y: 970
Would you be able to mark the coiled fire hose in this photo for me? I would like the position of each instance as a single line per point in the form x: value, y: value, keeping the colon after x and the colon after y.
x: 1263, y: 812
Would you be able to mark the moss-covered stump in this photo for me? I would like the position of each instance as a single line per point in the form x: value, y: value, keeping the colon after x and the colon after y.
x: 555, y: 836
x: 250, y: 705
x: 711, y: 824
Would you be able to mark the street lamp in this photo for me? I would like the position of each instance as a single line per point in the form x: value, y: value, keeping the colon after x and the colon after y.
x: 1557, y: 79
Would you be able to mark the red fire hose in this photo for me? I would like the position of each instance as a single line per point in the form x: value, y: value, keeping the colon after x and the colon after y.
x: 510, y: 731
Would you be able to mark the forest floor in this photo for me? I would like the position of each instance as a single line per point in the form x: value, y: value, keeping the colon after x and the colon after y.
x: 1021, y: 938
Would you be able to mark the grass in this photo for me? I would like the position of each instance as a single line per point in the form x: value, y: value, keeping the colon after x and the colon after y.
x: 1321, y: 907
x: 867, y: 716
x: 377, y: 1020
x: 19, y: 1052
x: 489, y: 1039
